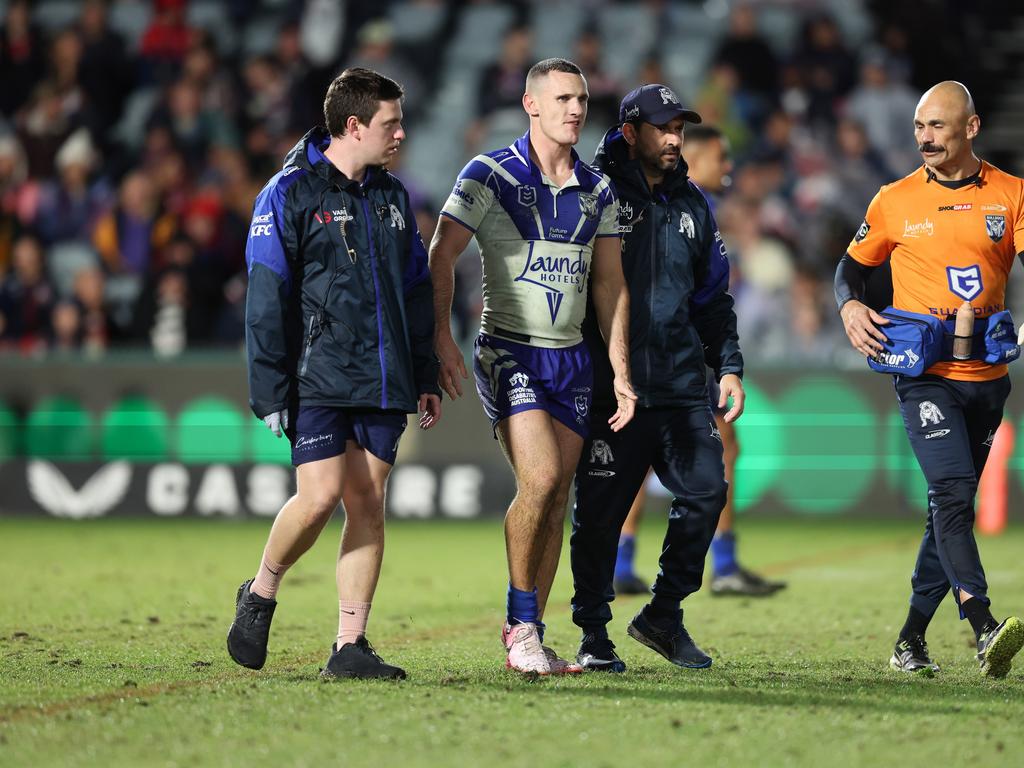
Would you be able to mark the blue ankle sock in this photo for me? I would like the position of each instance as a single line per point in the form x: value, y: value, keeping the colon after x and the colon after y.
x: 624, y: 558
x: 723, y: 554
x: 520, y: 606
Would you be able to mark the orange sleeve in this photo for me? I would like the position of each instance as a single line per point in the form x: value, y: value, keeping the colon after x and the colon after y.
x: 1018, y: 225
x: 872, y: 245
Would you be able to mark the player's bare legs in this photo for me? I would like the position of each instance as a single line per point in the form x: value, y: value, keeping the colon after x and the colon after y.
x: 543, y: 454
x: 569, y: 446
x: 531, y: 447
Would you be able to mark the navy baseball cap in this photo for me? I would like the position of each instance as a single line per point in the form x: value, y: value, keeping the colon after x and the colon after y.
x: 655, y: 104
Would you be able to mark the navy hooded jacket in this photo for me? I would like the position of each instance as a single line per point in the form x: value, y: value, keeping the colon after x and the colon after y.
x: 681, y: 316
x: 339, y: 310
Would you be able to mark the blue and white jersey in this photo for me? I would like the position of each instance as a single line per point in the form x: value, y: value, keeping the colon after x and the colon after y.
x: 536, y: 241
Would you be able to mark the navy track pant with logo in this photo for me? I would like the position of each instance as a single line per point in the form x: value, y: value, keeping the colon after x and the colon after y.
x: 685, y: 450
x: 950, y: 425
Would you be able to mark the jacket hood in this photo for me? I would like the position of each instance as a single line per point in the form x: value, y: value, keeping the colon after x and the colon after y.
x: 612, y: 157
x: 308, y: 154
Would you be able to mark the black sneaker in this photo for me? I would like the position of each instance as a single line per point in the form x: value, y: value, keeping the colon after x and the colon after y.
x: 911, y: 655
x: 247, y: 638
x: 597, y: 654
x: 359, y: 660
x: 745, y: 584
x: 631, y: 585
x: 997, y: 647
x: 674, y: 644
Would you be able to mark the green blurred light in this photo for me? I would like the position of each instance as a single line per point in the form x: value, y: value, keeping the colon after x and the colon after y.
x: 760, y: 440
x: 264, y: 447
x: 58, y: 428
x: 210, y: 429
x: 10, y: 433
x: 904, y: 473
x: 830, y: 446
x: 136, y: 428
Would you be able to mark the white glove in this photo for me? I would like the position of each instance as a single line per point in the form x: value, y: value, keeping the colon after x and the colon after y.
x: 277, y: 421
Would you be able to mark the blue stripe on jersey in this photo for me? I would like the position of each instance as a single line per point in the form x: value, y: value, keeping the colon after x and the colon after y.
x: 559, y: 217
x: 265, y: 244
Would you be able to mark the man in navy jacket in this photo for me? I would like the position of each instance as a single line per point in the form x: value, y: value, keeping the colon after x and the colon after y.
x: 681, y: 321
x: 339, y: 335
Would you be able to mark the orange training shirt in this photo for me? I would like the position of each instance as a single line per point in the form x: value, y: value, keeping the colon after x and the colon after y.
x: 947, y: 245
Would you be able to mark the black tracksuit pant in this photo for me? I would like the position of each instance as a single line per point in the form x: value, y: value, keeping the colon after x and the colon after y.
x: 685, y: 450
x: 950, y: 425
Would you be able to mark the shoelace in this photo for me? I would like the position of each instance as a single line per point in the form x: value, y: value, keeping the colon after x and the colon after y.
x: 530, y: 642
x: 918, y: 647
x: 253, y: 613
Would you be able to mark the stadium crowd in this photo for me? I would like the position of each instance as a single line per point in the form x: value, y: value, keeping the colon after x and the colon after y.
x: 135, y: 135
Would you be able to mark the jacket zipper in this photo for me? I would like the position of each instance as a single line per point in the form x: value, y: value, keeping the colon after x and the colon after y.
x: 650, y: 303
x: 380, y: 319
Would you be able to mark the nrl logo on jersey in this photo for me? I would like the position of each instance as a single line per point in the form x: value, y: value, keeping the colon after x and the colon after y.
x: 526, y: 195
x: 588, y: 205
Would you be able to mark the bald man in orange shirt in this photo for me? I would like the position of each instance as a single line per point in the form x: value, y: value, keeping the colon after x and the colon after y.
x: 951, y: 230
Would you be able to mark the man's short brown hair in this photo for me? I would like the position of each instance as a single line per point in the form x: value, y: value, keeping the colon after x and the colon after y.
x: 357, y: 91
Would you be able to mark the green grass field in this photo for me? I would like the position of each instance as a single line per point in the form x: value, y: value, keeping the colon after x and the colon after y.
x: 112, y: 653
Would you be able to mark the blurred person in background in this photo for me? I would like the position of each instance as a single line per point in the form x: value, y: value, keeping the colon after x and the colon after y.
x: 883, y: 104
x: 681, y: 321
x: 826, y: 68
x: 70, y: 205
x: 746, y: 50
x: 18, y: 197
x: 106, y: 72
x: 950, y: 230
x: 500, y: 87
x: 130, y: 235
x: 538, y: 211
x: 339, y: 337
x: 98, y: 331
x: 26, y: 298
x: 22, y: 57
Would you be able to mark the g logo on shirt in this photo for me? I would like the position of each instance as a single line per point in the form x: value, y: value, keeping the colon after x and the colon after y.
x: 966, y: 282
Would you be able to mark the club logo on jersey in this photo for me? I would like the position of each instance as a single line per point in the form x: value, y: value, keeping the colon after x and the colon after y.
x: 397, y: 219
x: 995, y: 226
x: 862, y: 232
x: 686, y: 226
x: 526, y: 195
x: 930, y: 413
x: 966, y: 282
x: 601, y: 453
x: 588, y: 206
x: 920, y: 229
x: 667, y: 97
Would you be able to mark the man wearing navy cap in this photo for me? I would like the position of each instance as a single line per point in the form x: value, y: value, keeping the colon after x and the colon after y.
x: 681, y: 322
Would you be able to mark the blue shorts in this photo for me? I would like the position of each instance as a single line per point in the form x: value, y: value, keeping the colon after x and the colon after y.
x: 513, y: 377
x: 320, y: 432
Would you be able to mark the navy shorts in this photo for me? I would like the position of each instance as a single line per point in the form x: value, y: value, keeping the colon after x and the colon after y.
x: 320, y: 432
x: 512, y: 377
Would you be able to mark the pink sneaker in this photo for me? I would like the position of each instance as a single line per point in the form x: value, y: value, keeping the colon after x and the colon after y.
x: 525, y: 653
x: 560, y: 666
